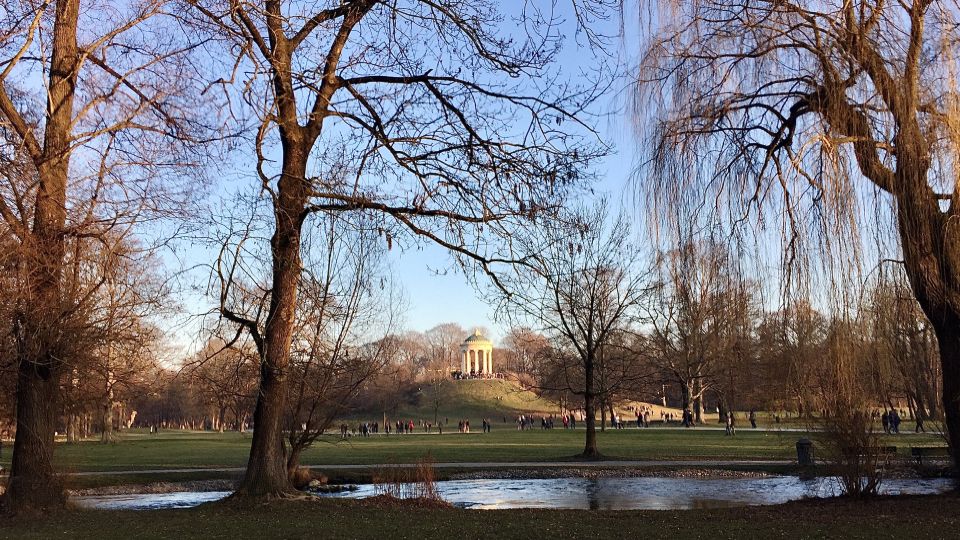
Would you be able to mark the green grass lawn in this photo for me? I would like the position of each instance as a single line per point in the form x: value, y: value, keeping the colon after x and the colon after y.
x: 498, y: 400
x: 899, y: 517
x: 138, y: 450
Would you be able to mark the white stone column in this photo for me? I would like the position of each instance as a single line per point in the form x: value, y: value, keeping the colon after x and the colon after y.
x: 490, y: 360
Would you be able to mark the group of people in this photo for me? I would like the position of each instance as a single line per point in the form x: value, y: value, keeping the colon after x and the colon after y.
x: 889, y: 419
x: 616, y: 421
x: 891, y: 422
x: 731, y: 422
x: 363, y: 429
x: 643, y: 417
x: 463, y: 375
x: 526, y: 421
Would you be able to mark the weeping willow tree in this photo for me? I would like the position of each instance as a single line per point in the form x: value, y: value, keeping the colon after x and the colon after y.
x: 831, y: 116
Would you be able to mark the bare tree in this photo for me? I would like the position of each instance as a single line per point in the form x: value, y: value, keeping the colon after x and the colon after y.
x: 694, y: 319
x: 421, y: 113
x: 91, y: 106
x: 846, y: 430
x: 738, y: 371
x: 390, y: 387
x: 348, y: 305
x: 796, y: 109
x: 523, y: 345
x: 225, y: 377
x: 582, y: 287
x: 794, y: 339
x: 906, y: 347
x: 411, y: 353
x: 445, y: 340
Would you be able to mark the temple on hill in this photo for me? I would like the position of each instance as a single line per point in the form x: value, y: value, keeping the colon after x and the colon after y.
x: 476, y: 356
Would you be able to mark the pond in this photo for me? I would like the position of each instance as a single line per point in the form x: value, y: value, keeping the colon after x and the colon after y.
x: 644, y: 493
x: 148, y: 501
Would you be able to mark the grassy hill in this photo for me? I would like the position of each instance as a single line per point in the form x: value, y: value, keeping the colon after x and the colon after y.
x: 498, y: 400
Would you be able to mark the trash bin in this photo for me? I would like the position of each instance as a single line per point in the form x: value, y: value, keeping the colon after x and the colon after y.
x: 805, y: 452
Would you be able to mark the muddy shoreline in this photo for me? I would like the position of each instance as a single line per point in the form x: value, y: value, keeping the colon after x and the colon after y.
x: 155, y: 487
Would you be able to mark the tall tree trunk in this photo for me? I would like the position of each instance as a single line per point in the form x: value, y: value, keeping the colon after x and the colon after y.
x: 266, y: 472
x: 931, y: 250
x: 603, y: 415
x: 590, y: 450
x: 73, y: 428
x: 33, y: 483
x: 949, y: 337
x: 686, y: 395
x: 73, y: 417
x: 698, y: 400
x: 106, y: 436
x: 293, y: 461
x: 931, y: 394
x: 266, y: 468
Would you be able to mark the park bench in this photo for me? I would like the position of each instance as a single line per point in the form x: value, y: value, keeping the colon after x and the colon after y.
x: 920, y: 452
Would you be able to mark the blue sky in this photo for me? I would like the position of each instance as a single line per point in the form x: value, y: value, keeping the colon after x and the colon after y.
x: 438, y: 293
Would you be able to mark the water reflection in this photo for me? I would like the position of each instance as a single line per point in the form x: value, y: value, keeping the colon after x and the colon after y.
x: 580, y: 493
x: 149, y: 501
x: 593, y: 492
x: 649, y: 493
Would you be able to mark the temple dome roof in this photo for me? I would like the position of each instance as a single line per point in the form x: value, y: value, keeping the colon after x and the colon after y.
x: 476, y: 337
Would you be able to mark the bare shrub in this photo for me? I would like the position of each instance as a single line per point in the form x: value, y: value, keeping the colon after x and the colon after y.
x: 301, y: 477
x: 847, y: 436
x: 403, y: 482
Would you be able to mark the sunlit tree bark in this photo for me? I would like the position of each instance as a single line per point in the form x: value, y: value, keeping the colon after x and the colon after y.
x: 89, y: 104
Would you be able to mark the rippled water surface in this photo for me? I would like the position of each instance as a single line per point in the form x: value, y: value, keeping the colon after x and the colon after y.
x: 149, y: 501
x: 648, y: 493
